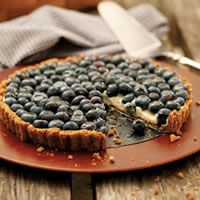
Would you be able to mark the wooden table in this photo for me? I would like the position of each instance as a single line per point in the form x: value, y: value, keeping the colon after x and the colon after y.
x: 180, y: 180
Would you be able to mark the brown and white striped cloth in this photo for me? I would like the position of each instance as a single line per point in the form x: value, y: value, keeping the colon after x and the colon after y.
x: 29, y: 38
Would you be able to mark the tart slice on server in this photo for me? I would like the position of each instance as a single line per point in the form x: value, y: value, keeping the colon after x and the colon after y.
x: 61, y: 102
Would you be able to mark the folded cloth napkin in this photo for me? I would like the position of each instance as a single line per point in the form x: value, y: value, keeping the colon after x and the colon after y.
x: 29, y: 36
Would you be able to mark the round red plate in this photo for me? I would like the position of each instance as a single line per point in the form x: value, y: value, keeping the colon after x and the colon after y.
x: 157, y: 151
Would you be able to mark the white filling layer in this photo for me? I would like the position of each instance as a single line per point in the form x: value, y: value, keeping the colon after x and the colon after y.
x: 142, y: 114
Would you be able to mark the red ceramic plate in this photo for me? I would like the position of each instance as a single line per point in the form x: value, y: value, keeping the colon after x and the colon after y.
x: 155, y: 152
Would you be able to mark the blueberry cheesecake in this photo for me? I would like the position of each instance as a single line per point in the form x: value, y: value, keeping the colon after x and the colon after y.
x: 62, y: 103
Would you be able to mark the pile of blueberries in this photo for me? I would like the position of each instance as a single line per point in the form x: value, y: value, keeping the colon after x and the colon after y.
x: 69, y: 94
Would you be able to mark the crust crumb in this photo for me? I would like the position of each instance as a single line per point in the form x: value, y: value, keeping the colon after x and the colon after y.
x: 114, y: 117
x: 189, y: 196
x: 174, y: 138
x: 111, y: 159
x: 93, y: 163
x: 195, y: 139
x: 133, y: 194
x: 70, y: 157
x: 132, y: 159
x: 52, y: 154
x: 197, y: 103
x: 147, y: 161
x: 180, y: 174
x: 116, y: 140
x: 156, y: 191
x: 96, y: 156
x: 40, y: 149
x: 112, y: 131
x: 75, y: 165
x: 157, y: 179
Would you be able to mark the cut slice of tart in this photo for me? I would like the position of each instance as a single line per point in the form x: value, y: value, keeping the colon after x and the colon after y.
x: 61, y: 102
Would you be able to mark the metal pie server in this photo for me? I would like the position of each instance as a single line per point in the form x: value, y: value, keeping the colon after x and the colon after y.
x: 134, y: 38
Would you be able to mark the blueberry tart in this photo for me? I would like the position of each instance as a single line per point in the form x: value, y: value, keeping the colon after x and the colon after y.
x: 61, y: 102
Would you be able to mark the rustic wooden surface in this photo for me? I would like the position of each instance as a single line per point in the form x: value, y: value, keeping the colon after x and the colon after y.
x: 176, y: 181
x: 165, y: 182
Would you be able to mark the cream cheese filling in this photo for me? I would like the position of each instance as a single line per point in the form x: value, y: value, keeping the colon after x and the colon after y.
x: 116, y: 101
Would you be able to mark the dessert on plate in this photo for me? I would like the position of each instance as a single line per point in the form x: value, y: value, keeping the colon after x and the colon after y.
x: 62, y: 103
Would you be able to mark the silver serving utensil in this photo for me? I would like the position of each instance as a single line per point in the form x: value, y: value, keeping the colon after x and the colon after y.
x: 134, y: 38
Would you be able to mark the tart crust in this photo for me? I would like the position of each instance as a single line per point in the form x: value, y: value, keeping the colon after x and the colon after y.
x: 75, y: 140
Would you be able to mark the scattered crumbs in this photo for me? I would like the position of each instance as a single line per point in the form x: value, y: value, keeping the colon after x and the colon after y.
x: 132, y: 159
x: 111, y: 159
x: 157, y: 179
x: 70, y: 157
x: 198, y: 103
x: 40, y: 149
x: 93, y: 163
x: 52, y: 154
x: 116, y: 140
x: 47, y: 153
x: 174, y: 138
x: 156, y: 191
x: 180, y: 174
x: 195, y: 139
x: 96, y: 156
x: 112, y: 131
x: 133, y: 194
x: 75, y: 165
x: 137, y: 188
x: 189, y: 196
x: 114, y: 117
x: 147, y: 161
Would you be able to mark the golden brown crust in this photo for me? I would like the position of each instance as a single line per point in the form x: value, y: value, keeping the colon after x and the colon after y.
x: 52, y: 137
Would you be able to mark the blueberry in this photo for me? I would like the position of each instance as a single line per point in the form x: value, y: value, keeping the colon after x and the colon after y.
x: 117, y: 59
x: 163, y: 86
x: 59, y: 84
x: 159, y: 71
x: 43, y: 102
x: 162, y: 115
x: 83, y: 102
x: 83, y: 77
x: 100, y: 86
x: 68, y: 95
x: 16, y: 106
x: 93, y: 93
x: 29, y: 82
x: 15, y: 80
x: 11, y: 89
x: 25, y: 95
x: 65, y: 108
x: 56, y: 123
x: 166, y: 95
x: 173, y: 105
x: 135, y: 66
x: 100, y: 106
x: 138, y: 127
x: 36, y: 109
x: 180, y: 100
x: 92, y: 114
x: 84, y: 63
x: 96, y: 99
x: 77, y: 112
x: 110, y: 66
x: 19, y: 112
x: 28, y: 89
x: 168, y: 74
x: 104, y: 129
x: 10, y: 101
x: 62, y: 116
x: 46, y: 115
x: 47, y: 81
x: 149, y: 83
x: 142, y: 101
x: 55, y: 78
x: 130, y: 108
x: 128, y: 98
x: 143, y: 71
x: 70, y: 81
x: 87, y: 107
x: 182, y: 93
x: 122, y: 65
x: 154, y: 96
x: 49, y: 73
x: 40, y: 78
x: 75, y: 107
x: 125, y: 88
x: 10, y: 94
x: 40, y: 123
x: 29, y: 117
x: 132, y: 74
x: 61, y: 69
x: 88, y: 126
x: 99, y: 122
x: 101, y: 113
x: 33, y: 72
x: 64, y: 88
x: 81, y: 91
x: 23, y: 100
x: 54, y: 98
x: 110, y: 80
x: 151, y: 67
x: 174, y: 81
x: 79, y: 119
x: 155, y: 106
x: 179, y: 87
x: 89, y: 87
x: 112, y: 90
x: 140, y: 90
x: 38, y: 97
x: 51, y: 105
x: 154, y: 89
x: 70, y: 126
x: 77, y: 99
x: 53, y: 91
x: 28, y: 105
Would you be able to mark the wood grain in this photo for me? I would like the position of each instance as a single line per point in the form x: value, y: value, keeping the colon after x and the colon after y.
x: 20, y: 183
